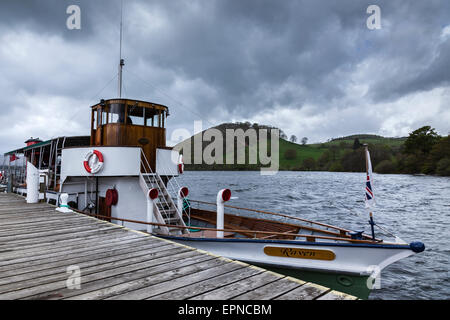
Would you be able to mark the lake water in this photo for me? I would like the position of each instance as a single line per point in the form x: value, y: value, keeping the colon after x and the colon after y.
x: 412, y: 207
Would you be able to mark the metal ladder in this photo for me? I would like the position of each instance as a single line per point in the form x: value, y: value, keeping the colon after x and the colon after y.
x: 54, y: 166
x: 166, y: 211
x: 173, y: 187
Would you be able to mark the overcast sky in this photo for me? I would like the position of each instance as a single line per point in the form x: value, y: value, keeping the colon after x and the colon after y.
x: 312, y: 68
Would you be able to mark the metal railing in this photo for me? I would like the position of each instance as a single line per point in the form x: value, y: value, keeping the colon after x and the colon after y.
x: 309, y: 238
x: 325, y: 227
x: 167, y: 203
x: 174, y: 186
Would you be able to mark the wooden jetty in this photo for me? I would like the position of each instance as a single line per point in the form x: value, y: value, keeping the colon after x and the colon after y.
x: 40, y: 248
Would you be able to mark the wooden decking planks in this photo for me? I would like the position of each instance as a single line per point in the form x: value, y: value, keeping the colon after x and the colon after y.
x: 38, y: 244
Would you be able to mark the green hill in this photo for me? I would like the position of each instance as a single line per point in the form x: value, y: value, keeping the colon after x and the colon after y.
x: 335, y: 155
x: 366, y: 138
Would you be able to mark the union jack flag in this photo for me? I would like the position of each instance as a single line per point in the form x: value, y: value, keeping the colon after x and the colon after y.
x: 369, y: 192
x: 370, y: 200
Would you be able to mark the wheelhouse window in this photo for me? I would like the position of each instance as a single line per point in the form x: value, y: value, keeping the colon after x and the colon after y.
x: 99, y: 117
x: 104, y: 115
x: 136, y: 115
x: 116, y: 113
x: 94, y: 120
x: 129, y: 113
x: 144, y: 116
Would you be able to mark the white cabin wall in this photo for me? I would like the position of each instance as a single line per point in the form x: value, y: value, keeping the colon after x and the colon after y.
x: 131, y: 204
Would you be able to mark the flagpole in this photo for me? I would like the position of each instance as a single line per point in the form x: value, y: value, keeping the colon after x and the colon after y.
x: 121, y: 61
x: 371, y: 222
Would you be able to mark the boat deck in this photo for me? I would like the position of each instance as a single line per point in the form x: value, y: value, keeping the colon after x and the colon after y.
x: 43, y: 251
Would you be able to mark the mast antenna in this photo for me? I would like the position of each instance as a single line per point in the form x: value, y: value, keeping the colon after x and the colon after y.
x: 121, y: 61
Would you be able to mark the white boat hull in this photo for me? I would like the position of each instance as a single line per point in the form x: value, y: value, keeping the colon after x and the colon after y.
x: 355, y: 259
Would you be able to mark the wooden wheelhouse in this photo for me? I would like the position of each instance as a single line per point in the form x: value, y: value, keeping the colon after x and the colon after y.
x: 124, y: 122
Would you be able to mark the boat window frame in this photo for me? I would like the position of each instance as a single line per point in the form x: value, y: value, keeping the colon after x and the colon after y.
x: 155, y: 112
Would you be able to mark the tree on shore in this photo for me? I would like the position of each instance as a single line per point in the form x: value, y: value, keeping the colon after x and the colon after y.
x: 304, y: 140
x: 309, y: 164
x: 421, y: 140
x: 416, y: 151
x: 356, y: 144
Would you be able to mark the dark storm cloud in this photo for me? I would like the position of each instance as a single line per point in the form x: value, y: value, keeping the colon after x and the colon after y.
x: 226, y: 59
x: 412, y: 55
x: 242, y: 46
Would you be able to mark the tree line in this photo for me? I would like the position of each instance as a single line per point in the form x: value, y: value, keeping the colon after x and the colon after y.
x: 423, y: 152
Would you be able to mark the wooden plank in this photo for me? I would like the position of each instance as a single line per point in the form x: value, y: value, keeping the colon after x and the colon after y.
x: 37, y: 244
x: 104, y: 234
x: 61, y: 225
x: 48, y: 214
x: 21, y: 210
x: 30, y: 220
x: 50, y: 239
x: 69, y: 234
x: 164, y: 275
x: 336, y: 295
x: 95, y: 267
x: 117, y: 232
x: 237, y: 288
x: 308, y: 291
x: 31, y: 214
x: 79, y: 251
x: 61, y: 231
x: 99, y: 286
x: 201, y: 287
x: 82, y: 248
x: 171, y: 280
x: 43, y: 245
x: 109, y: 234
x: 93, y: 285
x: 102, y: 256
x: 43, y: 223
x: 271, y: 290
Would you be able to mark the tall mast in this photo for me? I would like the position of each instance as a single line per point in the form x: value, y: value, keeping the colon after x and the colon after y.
x: 121, y: 61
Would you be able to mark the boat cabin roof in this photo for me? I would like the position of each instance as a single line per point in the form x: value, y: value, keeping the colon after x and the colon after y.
x: 68, y: 142
x: 135, y: 108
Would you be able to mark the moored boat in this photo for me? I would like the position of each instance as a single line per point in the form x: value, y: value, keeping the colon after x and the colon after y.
x: 125, y: 173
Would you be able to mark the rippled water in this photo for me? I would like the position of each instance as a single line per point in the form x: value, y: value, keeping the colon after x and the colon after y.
x: 412, y: 207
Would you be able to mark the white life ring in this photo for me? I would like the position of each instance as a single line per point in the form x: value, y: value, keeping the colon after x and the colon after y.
x: 96, y: 164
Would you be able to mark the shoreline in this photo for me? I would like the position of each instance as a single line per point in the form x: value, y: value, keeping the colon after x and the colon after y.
x: 291, y: 170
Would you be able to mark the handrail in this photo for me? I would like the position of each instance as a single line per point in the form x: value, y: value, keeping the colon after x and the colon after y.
x: 164, y: 188
x: 275, y: 214
x: 174, y: 188
x: 167, y: 199
x: 231, y: 230
x: 157, y: 185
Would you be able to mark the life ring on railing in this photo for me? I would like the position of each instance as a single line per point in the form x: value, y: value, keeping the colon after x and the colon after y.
x: 112, y: 196
x: 96, y: 162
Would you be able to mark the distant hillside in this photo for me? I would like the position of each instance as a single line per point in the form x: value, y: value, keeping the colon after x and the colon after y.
x: 222, y: 128
x: 369, y: 139
x: 335, y: 155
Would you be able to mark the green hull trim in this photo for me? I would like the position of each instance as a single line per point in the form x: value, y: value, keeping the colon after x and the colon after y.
x: 350, y: 284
